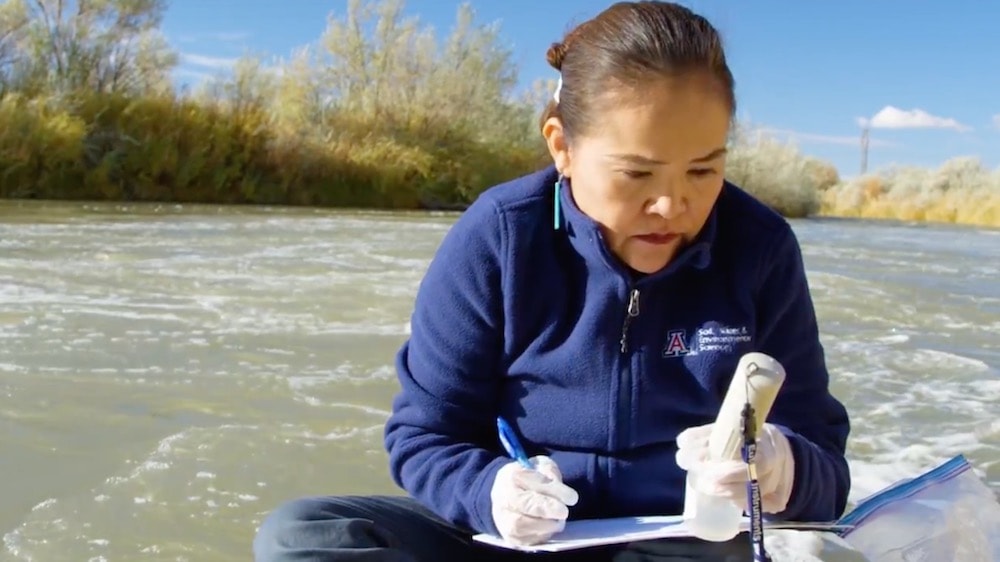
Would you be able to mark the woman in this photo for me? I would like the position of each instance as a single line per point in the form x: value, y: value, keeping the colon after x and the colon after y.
x: 600, y: 305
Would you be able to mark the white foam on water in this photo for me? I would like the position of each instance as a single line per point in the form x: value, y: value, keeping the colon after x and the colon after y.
x: 129, y: 312
x: 376, y: 412
x: 187, y: 474
x: 345, y: 434
x: 911, y: 354
x: 893, y: 339
x: 954, y: 395
x: 313, y: 387
x: 281, y: 303
x: 346, y: 371
x: 47, y: 503
x: 341, y: 328
x: 266, y: 323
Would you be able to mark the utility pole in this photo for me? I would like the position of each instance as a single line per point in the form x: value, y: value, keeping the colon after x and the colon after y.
x: 864, y: 149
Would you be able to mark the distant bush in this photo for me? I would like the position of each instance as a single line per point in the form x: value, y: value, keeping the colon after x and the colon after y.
x: 778, y: 174
x: 378, y: 112
x: 392, y: 118
x: 962, y: 190
x: 109, y: 147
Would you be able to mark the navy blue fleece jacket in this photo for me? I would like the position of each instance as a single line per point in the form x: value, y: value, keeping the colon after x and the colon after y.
x: 516, y: 318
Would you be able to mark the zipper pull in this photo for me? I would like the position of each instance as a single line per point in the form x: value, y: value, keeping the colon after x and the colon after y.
x: 633, y: 303
x: 632, y: 312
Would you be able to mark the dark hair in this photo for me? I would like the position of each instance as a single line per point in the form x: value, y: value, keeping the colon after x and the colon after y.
x: 621, y: 46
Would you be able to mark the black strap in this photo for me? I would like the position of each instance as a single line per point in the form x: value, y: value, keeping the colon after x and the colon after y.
x: 749, y: 430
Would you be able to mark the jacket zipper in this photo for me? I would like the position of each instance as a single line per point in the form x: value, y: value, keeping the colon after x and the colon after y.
x: 631, y: 312
x: 624, y: 409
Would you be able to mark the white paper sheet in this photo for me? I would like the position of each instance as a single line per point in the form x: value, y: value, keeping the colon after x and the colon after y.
x: 596, y: 532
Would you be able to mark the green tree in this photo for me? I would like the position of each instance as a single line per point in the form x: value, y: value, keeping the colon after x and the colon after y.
x: 13, y: 31
x: 61, y: 46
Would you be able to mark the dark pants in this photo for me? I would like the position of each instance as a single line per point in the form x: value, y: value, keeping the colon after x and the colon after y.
x: 398, y: 529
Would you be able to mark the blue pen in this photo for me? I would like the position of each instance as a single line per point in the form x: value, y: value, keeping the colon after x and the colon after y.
x: 510, y: 442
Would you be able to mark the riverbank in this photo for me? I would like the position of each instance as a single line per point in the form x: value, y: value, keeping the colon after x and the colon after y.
x: 961, y: 191
x: 430, y: 126
x: 165, y: 149
x: 173, y: 150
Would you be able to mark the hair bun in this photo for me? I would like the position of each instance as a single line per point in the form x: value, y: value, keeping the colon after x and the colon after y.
x: 556, y: 54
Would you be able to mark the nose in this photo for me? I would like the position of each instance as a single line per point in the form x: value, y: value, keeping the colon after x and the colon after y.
x: 668, y: 205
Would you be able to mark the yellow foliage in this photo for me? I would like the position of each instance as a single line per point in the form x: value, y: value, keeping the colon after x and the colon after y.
x: 777, y: 174
x: 39, y: 146
x: 960, y: 191
x: 165, y: 149
x: 427, y: 124
x: 162, y: 148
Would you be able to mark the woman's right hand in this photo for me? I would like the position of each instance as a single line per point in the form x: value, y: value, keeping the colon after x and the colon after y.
x: 529, y: 506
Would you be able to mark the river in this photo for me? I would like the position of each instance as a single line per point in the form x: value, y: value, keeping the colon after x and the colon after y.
x: 168, y: 374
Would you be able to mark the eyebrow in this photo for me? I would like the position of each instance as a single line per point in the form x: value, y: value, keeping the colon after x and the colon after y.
x: 712, y: 155
x: 645, y: 161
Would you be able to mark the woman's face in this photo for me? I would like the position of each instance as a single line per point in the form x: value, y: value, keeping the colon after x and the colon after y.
x: 649, y: 169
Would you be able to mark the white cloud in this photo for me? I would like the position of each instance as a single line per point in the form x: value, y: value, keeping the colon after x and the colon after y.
x: 816, y: 138
x: 188, y: 73
x: 219, y: 36
x: 230, y: 36
x: 996, y: 120
x: 891, y: 117
x: 207, y: 61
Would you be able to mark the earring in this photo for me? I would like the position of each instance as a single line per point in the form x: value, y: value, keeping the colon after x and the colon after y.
x: 557, y: 205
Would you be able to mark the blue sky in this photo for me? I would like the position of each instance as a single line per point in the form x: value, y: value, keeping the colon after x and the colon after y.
x: 923, y: 72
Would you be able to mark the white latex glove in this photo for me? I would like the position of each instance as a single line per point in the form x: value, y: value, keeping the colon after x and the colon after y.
x: 529, y: 506
x: 775, y: 468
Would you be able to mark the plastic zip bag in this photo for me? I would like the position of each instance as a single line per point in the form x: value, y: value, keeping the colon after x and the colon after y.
x: 947, y: 514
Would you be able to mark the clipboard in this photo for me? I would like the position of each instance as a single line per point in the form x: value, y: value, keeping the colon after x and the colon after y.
x: 585, y: 533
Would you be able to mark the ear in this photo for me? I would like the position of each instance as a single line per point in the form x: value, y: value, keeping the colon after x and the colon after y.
x: 558, y: 144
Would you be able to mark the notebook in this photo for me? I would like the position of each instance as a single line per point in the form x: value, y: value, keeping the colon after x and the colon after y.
x: 586, y: 533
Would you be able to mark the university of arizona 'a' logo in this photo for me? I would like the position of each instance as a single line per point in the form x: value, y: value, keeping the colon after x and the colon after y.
x: 676, y: 345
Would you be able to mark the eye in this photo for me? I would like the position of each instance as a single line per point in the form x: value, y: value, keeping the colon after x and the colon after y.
x: 702, y: 172
x: 635, y: 174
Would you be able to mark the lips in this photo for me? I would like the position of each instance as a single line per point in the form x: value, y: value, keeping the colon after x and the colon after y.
x: 658, y: 239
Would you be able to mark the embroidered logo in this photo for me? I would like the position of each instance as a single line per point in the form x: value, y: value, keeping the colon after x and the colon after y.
x: 711, y: 337
x: 676, y: 344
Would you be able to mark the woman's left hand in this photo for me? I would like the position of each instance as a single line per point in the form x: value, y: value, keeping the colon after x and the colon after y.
x: 774, y: 461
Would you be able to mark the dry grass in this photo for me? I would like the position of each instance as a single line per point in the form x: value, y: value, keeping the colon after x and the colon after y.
x: 778, y: 174
x: 395, y: 117
x: 162, y: 148
x: 961, y: 191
